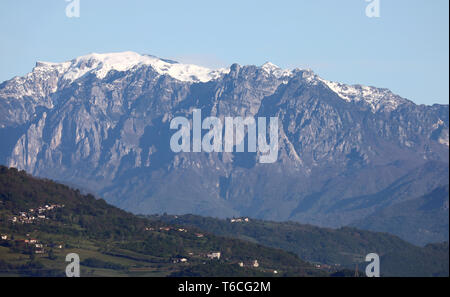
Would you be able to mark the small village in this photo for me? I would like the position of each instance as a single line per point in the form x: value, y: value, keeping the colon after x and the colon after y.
x: 211, y: 255
x: 36, y: 246
x: 35, y: 214
x: 239, y: 220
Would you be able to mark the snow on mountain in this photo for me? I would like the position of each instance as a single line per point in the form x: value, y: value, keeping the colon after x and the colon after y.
x: 376, y: 98
x: 48, y: 75
x: 273, y: 69
x: 101, y: 64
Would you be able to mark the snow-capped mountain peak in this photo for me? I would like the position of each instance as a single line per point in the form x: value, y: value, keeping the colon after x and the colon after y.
x: 101, y: 64
x: 273, y: 69
x: 269, y: 66
x: 56, y: 75
x: 376, y: 98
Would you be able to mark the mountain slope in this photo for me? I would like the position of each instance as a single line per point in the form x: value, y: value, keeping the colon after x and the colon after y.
x: 43, y: 221
x: 420, y: 220
x: 102, y: 121
x: 344, y: 247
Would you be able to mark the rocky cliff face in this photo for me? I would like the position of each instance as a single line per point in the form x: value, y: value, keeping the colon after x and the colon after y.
x: 102, y: 122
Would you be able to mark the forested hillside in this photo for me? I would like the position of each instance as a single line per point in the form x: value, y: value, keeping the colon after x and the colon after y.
x: 42, y: 221
x: 345, y: 247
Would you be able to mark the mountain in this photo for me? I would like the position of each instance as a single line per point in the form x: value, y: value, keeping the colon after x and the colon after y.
x: 421, y: 220
x: 44, y: 221
x: 344, y: 247
x: 346, y: 152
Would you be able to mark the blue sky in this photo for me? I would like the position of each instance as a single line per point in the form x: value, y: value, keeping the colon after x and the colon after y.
x: 405, y: 50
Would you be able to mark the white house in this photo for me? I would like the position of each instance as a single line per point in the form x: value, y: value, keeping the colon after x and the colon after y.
x: 214, y: 255
x: 240, y: 220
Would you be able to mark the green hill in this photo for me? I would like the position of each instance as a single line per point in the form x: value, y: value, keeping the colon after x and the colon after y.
x: 344, y: 247
x: 44, y: 221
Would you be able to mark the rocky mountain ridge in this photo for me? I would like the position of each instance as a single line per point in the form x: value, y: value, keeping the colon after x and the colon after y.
x: 101, y: 121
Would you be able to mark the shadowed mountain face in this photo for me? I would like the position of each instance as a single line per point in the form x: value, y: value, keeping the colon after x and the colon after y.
x: 419, y: 220
x: 346, y: 153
